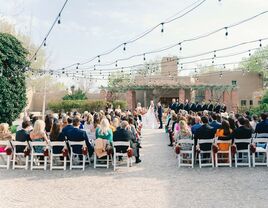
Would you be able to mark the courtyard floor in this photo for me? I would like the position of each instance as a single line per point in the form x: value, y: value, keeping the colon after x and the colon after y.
x: 156, y: 182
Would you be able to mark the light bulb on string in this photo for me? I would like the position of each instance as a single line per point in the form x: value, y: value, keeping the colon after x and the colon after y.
x: 35, y: 58
x: 144, y: 58
x: 215, y: 54
x: 116, y: 64
x: 260, y: 43
x: 220, y: 74
x: 77, y: 65
x: 226, y: 31
x: 195, y: 70
x: 99, y: 58
x: 124, y: 46
x: 45, y: 40
x: 59, y: 21
x: 249, y: 52
x: 94, y: 67
x: 162, y: 29
x: 224, y: 66
x: 212, y: 61
x: 180, y: 46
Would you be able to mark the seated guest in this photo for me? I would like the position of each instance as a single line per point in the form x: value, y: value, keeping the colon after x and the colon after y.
x: 223, y: 133
x: 76, y: 135
x: 232, y: 123
x: 104, y: 131
x: 214, y: 123
x: 184, y: 133
x: 242, y: 132
x: 115, y: 123
x: 123, y: 133
x: 262, y: 127
x: 38, y: 134
x: 68, y: 127
x: 48, y: 122
x: 56, y: 135
x: 196, y: 125
x: 204, y: 132
x: 5, y: 135
x: 23, y: 135
x: 254, y: 122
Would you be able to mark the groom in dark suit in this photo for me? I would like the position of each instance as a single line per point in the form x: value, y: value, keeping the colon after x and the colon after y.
x: 160, y: 114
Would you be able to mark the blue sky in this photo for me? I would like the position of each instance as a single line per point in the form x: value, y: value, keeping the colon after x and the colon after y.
x: 90, y: 27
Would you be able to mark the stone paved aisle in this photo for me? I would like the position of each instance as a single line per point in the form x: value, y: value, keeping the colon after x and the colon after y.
x: 156, y: 182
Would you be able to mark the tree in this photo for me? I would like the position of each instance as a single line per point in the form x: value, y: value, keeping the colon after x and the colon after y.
x: 257, y: 62
x: 7, y: 27
x: 77, y: 95
x: 12, y: 78
x: 265, y: 98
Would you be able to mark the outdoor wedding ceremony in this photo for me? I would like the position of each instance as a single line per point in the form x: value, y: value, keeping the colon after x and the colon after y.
x: 133, y: 103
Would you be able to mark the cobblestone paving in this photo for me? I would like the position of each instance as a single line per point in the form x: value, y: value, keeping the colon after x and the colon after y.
x: 156, y: 182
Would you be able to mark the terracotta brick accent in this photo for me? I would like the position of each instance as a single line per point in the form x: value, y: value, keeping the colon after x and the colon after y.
x: 131, y: 99
x: 208, y: 94
x: 234, y: 100
x: 182, y: 95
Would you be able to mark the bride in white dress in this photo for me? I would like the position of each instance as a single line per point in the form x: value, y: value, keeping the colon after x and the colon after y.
x: 149, y: 120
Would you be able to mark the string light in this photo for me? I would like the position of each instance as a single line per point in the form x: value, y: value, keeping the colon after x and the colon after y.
x: 77, y: 66
x: 215, y: 54
x: 180, y: 46
x: 249, y: 52
x: 162, y: 29
x: 59, y: 21
x: 99, y: 58
x: 226, y: 31
x: 144, y: 58
x: 124, y: 46
x: 45, y: 40
x: 260, y: 44
x: 115, y: 63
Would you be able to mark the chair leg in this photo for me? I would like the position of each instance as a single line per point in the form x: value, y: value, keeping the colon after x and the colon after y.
x: 51, y: 161
x: 65, y: 161
x: 84, y: 162
x: 71, y: 161
x: 108, y: 158
x: 14, y: 161
x: 212, y: 158
x: 8, y: 162
x: 95, y: 160
x: 45, y: 163
x: 179, y: 160
x: 32, y: 158
x: 192, y: 159
x: 230, y: 159
x: 199, y: 155
x: 216, y: 160
x: 114, y: 162
x: 249, y: 162
x: 236, y: 160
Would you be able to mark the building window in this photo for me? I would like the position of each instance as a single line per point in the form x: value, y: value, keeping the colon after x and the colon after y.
x: 234, y: 83
x: 243, y: 102
x: 251, y: 102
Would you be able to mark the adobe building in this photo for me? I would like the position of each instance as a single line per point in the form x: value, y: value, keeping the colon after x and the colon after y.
x: 234, y: 88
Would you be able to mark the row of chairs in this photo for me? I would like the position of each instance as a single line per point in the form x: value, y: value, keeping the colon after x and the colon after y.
x: 215, y: 157
x: 56, y: 160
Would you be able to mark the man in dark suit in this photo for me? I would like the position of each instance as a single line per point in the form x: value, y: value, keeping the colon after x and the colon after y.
x: 180, y: 106
x: 204, y: 132
x: 124, y: 134
x: 68, y: 127
x: 262, y: 127
x: 204, y: 106
x: 241, y: 132
x: 186, y: 105
x: 217, y: 108
x: 173, y: 105
x: 198, y: 107
x: 214, y: 123
x: 210, y: 106
x: 76, y: 135
x: 193, y: 107
x: 223, y: 108
x: 160, y: 114
x: 23, y: 135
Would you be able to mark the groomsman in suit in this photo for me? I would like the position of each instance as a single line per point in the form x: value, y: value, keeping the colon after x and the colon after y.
x: 217, y: 108
x: 160, y: 114
x: 192, y: 107
x: 186, y: 105
x: 204, y: 106
x: 198, y: 107
x: 180, y: 106
x: 173, y: 105
x: 210, y: 106
x: 223, y: 108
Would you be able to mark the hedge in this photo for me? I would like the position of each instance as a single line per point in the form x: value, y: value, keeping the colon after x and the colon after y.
x: 259, y: 109
x: 82, y: 105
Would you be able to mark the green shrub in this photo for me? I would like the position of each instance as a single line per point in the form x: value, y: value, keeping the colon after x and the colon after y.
x: 122, y: 103
x: 77, y: 95
x: 77, y: 105
x: 259, y: 109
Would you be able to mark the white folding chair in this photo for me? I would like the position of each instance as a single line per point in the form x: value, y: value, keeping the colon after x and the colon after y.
x: 55, y: 157
x: 262, y: 135
x: 35, y: 156
x: 260, y: 149
x: 102, y: 162
x: 75, y: 157
x: 210, y: 160
x: 222, y: 153
x: 188, y: 152
x: 17, y: 156
x: 242, y: 152
x: 121, y: 154
x: 4, y: 156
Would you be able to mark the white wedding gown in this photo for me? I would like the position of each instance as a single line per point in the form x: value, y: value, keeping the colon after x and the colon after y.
x: 149, y: 120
